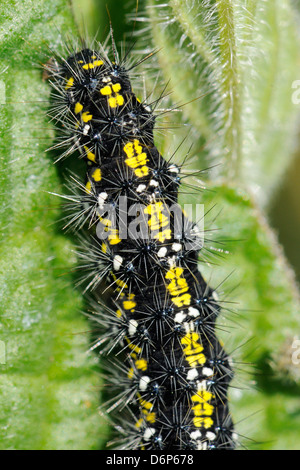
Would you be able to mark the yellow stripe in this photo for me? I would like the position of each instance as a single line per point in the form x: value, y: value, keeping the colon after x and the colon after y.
x: 78, y: 108
x: 69, y: 83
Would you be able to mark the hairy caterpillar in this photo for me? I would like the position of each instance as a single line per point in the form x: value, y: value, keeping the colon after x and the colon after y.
x: 172, y: 373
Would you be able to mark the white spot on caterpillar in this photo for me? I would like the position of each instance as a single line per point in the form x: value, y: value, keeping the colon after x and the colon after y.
x: 86, y: 129
x: 179, y: 317
x: 195, y: 435
x: 172, y: 261
x: 202, y: 446
x: 189, y: 326
x: 118, y: 260
x: 207, y: 371
x: 140, y: 188
x: 152, y: 198
x: 195, y: 231
x: 176, y: 247
x: 192, y: 374
x: 149, y: 433
x: 162, y: 252
x: 144, y: 381
x: 194, y: 312
x: 201, y: 386
x: 215, y: 296
x: 173, y: 168
x: 210, y: 435
x: 133, y: 324
x: 101, y: 199
x: 154, y: 183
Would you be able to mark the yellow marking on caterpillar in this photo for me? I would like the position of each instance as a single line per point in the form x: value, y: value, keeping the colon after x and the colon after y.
x: 86, y: 116
x: 202, y: 396
x: 96, y: 175
x: 90, y: 155
x: 178, y: 287
x: 164, y: 235
x: 132, y: 346
x: 106, y: 222
x: 113, y: 237
x: 191, y: 343
x: 141, y: 364
x: 203, y: 422
x: 69, y: 83
x: 135, y: 349
x: 92, y: 65
x: 111, y: 90
x: 202, y: 408
x: 116, y: 87
x: 145, y: 404
x: 129, y: 305
x: 119, y: 282
x: 119, y: 313
x: 130, y: 374
x: 146, y: 409
x: 113, y: 233
x: 88, y: 187
x: 158, y: 219
x: 139, y: 423
x: 105, y: 91
x: 178, y: 284
x: 140, y: 172
x: 137, y: 159
x: 104, y: 247
x: 135, y: 162
x: 182, y: 300
x: 151, y: 417
x: 196, y: 360
x: 193, y: 349
x: 78, y: 108
x: 116, y: 101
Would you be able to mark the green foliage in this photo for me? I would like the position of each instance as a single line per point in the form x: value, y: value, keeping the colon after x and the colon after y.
x: 243, y: 57
x: 49, y: 388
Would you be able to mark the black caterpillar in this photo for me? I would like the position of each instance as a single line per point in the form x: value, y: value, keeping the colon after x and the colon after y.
x: 171, y: 374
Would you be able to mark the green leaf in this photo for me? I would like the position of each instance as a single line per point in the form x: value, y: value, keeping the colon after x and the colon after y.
x: 260, y: 319
x: 239, y: 59
x: 49, y: 386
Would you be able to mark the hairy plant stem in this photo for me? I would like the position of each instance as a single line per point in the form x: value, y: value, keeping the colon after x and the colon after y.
x: 230, y: 90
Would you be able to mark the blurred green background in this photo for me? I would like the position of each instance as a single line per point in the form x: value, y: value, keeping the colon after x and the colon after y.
x: 284, y: 214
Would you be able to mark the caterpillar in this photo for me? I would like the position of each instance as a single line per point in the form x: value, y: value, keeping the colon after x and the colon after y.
x: 139, y: 255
